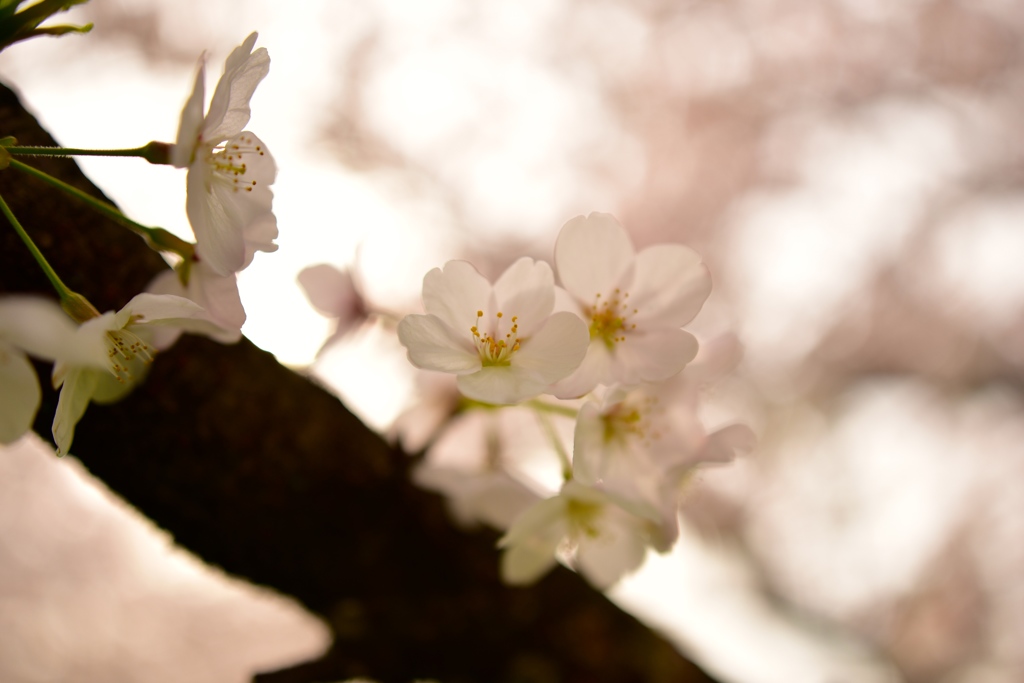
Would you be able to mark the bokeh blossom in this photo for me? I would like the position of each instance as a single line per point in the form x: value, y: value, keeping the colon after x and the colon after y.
x: 502, y: 341
x: 230, y: 170
x: 634, y: 303
x: 601, y: 535
x: 335, y: 294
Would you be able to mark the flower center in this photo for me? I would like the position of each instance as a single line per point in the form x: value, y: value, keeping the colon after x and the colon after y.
x: 609, y: 318
x: 496, y: 349
x: 582, y: 516
x: 123, y: 348
x: 631, y: 419
x: 228, y: 162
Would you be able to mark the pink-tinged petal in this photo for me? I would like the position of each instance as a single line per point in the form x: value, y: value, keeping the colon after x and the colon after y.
x: 433, y: 345
x: 191, y: 120
x: 218, y: 234
x: 330, y: 290
x: 722, y: 445
x: 525, y: 290
x: 670, y: 285
x: 652, y: 356
x: 592, y: 255
x: 259, y: 163
x: 455, y: 294
x: 595, y: 369
x: 19, y: 394
x: 555, y: 350
x: 216, y: 294
x: 79, y: 387
x: 500, y: 385
x: 229, y: 108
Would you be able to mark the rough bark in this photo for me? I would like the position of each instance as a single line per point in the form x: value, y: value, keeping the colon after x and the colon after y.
x: 257, y: 470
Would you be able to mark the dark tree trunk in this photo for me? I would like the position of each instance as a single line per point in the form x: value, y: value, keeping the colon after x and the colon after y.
x: 257, y: 470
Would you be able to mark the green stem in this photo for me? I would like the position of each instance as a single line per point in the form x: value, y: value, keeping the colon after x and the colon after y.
x: 541, y: 406
x: 74, y: 303
x: 153, y: 152
x: 158, y: 239
x: 563, y: 455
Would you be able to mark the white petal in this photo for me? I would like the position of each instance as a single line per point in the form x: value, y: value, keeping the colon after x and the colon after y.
x: 19, y: 394
x: 652, y: 357
x: 595, y: 369
x: 218, y: 235
x: 592, y: 255
x: 501, y: 385
x: 229, y: 108
x: 433, y: 345
x: 191, y: 120
x: 615, y: 552
x: 525, y: 290
x: 39, y: 327
x: 556, y: 349
x: 79, y: 387
x: 670, y: 285
x: 722, y: 445
x: 455, y: 294
x: 165, y: 310
x: 532, y: 540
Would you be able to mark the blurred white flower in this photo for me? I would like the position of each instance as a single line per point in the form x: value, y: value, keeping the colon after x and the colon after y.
x: 229, y: 170
x: 334, y: 293
x: 35, y: 326
x: 502, y: 341
x: 128, y: 349
x: 635, y: 303
x: 600, y: 535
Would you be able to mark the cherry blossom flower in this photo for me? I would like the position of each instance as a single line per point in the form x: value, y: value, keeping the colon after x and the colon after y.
x: 502, y: 341
x: 646, y: 444
x: 334, y: 293
x: 601, y: 535
x: 128, y: 351
x: 634, y: 303
x: 230, y: 170
x: 35, y: 326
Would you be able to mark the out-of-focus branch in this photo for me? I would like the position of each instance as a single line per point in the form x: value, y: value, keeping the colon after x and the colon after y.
x: 259, y: 471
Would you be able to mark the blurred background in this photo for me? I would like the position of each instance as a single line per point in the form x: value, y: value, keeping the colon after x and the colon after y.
x: 851, y: 171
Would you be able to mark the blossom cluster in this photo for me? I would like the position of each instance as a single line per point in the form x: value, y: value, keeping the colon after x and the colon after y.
x: 605, y: 346
x: 99, y: 358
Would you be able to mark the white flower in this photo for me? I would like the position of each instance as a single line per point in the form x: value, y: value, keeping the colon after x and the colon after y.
x: 216, y: 294
x: 502, y: 341
x: 36, y: 326
x: 126, y: 340
x: 600, y: 535
x: 229, y: 170
x: 334, y: 293
x: 635, y: 303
